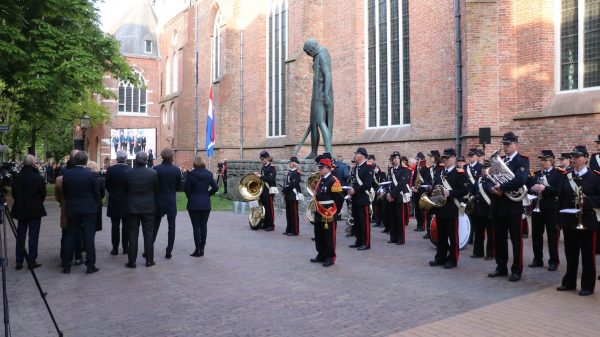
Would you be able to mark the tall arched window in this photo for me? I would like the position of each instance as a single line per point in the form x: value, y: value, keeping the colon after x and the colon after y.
x: 168, y: 76
x: 132, y: 99
x: 387, y: 68
x: 276, y: 56
x: 175, y: 72
x: 216, y: 49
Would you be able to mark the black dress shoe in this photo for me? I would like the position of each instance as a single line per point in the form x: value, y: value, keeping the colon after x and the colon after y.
x: 196, y: 253
x: 269, y: 229
x: 585, y: 292
x: 150, y: 263
x: 284, y: 233
x: 487, y: 258
x: 34, y: 265
x: 328, y: 263
x: 401, y: 242
x: 435, y: 263
x: 498, y: 273
x: 168, y: 255
x: 66, y: 270
x: 552, y: 267
x: 19, y: 266
x: 202, y: 252
x: 449, y: 265
x: 536, y: 264
x: 391, y: 241
x: 78, y: 263
x: 114, y: 252
x: 514, y: 277
x: 426, y: 236
x: 474, y: 256
x: 91, y: 270
x: 353, y: 246
x: 564, y: 288
x: 130, y: 265
x: 317, y: 259
x: 385, y: 231
x: 363, y: 248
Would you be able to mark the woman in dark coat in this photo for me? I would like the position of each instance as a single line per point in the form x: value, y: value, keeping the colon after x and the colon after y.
x: 199, y: 186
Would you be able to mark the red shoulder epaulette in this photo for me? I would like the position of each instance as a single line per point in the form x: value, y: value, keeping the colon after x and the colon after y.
x: 369, y: 164
x: 524, y: 156
x: 561, y: 170
x: 597, y: 172
x: 460, y: 170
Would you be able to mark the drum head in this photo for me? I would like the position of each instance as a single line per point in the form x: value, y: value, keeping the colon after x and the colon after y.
x: 464, y: 230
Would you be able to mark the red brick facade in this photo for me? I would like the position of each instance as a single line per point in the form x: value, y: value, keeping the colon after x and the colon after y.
x: 508, y: 57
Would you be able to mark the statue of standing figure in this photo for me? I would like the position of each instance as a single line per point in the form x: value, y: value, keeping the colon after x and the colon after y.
x: 321, y: 105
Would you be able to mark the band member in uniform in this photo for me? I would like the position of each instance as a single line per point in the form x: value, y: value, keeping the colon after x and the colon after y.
x: 545, y: 184
x: 362, y: 182
x: 329, y: 200
x: 400, y: 178
x: 580, y: 190
x: 507, y: 213
x: 434, y: 170
x: 291, y: 190
x: 455, y: 188
x: 472, y: 171
x: 481, y: 217
x: 268, y: 175
x: 564, y: 166
x: 423, y: 175
x: 595, y: 166
x: 379, y: 176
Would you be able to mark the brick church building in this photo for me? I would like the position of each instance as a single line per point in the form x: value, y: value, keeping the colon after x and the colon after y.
x: 407, y: 75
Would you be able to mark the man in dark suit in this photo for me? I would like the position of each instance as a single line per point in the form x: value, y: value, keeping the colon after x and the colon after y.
x: 81, y: 194
x: 455, y: 188
x: 545, y: 184
x: 29, y: 193
x: 507, y: 213
x: 141, y: 190
x: 117, y: 204
x: 362, y: 184
x: 169, y: 181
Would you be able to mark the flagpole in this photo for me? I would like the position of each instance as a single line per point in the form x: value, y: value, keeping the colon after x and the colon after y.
x: 196, y: 82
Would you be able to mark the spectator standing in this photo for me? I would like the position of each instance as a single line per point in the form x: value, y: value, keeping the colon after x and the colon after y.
x: 116, y: 208
x: 169, y: 181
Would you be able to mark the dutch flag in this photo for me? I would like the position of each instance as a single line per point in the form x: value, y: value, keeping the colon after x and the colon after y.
x: 210, y: 126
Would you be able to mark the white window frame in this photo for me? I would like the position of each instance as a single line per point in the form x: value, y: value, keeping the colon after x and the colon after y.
x: 146, y: 43
x: 270, y: 10
x: 389, y: 65
x: 129, y: 85
x: 580, y: 49
x: 215, y: 50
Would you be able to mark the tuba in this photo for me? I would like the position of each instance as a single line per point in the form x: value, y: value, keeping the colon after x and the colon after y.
x: 311, y: 185
x: 250, y: 188
x: 433, y: 199
x: 499, y: 173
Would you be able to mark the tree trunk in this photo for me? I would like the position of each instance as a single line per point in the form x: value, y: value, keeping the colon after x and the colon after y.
x: 14, y: 147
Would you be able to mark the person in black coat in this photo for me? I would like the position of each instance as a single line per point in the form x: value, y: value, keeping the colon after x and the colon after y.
x: 455, y: 188
x: 507, y: 213
x: 362, y: 183
x: 291, y: 190
x: 481, y: 219
x: 116, y: 208
x: 29, y: 193
x: 580, y: 229
x: 169, y: 181
x: 268, y: 174
x: 93, y: 166
x: 423, y: 171
x: 150, y: 158
x: 400, y: 181
x: 141, y: 192
x: 199, y: 186
x: 81, y: 194
x: 545, y: 184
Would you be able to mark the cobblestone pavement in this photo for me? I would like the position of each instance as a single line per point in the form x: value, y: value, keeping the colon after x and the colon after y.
x: 262, y: 284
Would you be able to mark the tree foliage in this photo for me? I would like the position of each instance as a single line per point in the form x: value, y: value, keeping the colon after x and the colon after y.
x: 53, y: 57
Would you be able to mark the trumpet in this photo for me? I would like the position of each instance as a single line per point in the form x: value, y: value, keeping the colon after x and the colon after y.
x: 539, y: 198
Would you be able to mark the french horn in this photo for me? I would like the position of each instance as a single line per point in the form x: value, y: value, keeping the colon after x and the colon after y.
x: 434, y: 199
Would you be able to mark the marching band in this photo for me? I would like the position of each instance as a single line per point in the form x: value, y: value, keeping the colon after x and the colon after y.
x: 478, y: 199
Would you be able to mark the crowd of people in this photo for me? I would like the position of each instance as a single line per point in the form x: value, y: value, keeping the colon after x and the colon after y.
x: 138, y: 196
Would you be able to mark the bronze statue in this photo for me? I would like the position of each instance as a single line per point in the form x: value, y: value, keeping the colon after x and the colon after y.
x: 321, y: 105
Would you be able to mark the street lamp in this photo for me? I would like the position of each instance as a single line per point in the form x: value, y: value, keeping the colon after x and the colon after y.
x: 84, y: 122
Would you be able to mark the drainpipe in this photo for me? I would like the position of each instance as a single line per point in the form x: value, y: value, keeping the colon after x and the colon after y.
x: 241, y: 94
x: 458, y: 62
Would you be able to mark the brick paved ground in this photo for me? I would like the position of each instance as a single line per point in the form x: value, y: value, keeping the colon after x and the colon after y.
x: 262, y: 284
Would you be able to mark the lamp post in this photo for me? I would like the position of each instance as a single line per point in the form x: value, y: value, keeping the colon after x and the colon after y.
x: 84, y: 122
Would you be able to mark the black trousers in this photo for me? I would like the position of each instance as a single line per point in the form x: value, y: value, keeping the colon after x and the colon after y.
x: 544, y: 221
x: 267, y: 201
x: 115, y: 237
x: 504, y: 224
x: 291, y: 215
x: 419, y: 213
x: 447, y: 230
x: 171, y: 232
x: 429, y: 217
x: 482, y: 226
x: 362, y: 225
x: 398, y: 220
x: 325, y: 240
x: 76, y: 223
x: 583, y: 241
x: 147, y: 222
x: 199, y: 220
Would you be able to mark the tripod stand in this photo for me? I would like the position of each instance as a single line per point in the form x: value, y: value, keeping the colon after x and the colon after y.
x: 7, y: 216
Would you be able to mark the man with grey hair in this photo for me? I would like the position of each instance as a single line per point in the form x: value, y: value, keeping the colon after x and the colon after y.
x: 116, y: 208
x: 169, y: 181
x: 29, y: 193
x: 141, y: 189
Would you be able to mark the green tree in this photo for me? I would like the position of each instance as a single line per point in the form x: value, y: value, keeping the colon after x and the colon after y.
x: 53, y: 57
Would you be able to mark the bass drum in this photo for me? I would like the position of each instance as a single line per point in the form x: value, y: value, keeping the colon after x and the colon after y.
x: 464, y: 230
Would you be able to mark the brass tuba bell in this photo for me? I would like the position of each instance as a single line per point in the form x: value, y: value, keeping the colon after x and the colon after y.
x: 311, y: 183
x: 250, y: 188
